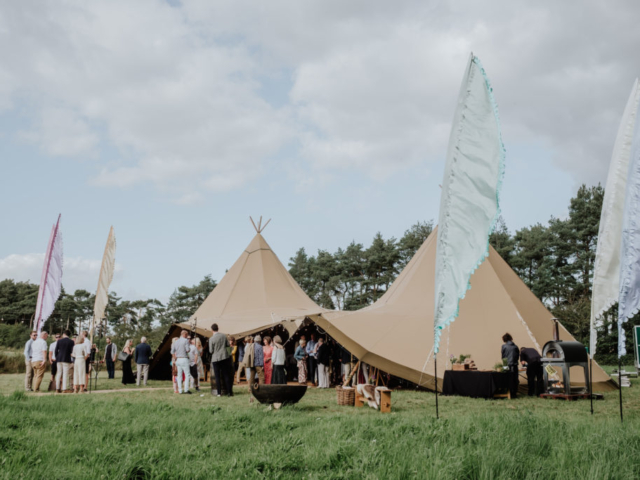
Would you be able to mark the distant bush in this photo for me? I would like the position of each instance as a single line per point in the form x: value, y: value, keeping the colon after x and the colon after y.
x: 12, y: 362
x: 13, y: 336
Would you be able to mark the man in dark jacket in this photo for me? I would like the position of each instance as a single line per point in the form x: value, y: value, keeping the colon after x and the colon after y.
x: 142, y: 356
x: 64, y: 347
x: 511, y: 352
x: 532, y: 359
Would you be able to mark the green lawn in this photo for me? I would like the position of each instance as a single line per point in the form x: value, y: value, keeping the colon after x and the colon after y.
x: 158, y: 434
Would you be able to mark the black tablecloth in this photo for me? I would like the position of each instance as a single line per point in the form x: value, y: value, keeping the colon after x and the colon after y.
x: 474, y: 383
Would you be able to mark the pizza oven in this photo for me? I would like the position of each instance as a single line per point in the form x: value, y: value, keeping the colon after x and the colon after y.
x: 557, y: 359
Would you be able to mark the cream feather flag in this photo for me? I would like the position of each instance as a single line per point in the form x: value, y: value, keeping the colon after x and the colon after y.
x: 106, y: 275
x: 606, y: 273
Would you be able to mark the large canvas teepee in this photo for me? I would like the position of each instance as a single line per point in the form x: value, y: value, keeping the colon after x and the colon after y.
x: 395, y: 334
x: 255, y: 294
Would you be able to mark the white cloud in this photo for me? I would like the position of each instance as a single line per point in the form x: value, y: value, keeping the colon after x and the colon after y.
x: 179, y: 91
x: 78, y: 272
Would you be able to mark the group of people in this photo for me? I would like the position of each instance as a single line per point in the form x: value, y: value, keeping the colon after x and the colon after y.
x: 65, y: 355
x: 71, y: 360
x: 314, y: 360
x: 528, y: 357
x: 258, y: 359
x: 141, y: 355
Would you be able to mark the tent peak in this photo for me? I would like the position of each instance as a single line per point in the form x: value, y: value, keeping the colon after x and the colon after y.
x: 260, y: 228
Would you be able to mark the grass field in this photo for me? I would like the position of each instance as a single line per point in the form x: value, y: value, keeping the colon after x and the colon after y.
x: 157, y: 434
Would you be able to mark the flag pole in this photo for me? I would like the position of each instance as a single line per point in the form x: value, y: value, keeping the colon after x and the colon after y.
x: 591, y: 381
x: 620, y: 384
x: 435, y: 375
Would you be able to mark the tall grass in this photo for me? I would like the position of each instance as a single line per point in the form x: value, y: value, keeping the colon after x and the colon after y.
x: 162, y: 435
x: 11, y: 361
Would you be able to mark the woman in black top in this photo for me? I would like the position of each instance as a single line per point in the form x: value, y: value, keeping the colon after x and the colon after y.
x: 127, y: 373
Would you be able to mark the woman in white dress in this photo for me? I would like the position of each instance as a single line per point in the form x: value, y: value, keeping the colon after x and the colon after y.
x: 79, y: 355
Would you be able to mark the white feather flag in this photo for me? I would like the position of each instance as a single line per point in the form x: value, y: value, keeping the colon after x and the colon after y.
x: 469, y: 206
x: 51, y: 280
x: 606, y: 272
x: 629, y: 298
x: 106, y: 275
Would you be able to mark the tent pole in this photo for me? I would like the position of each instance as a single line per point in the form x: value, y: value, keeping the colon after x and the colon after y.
x: 620, y: 384
x: 435, y: 362
x: 591, y: 382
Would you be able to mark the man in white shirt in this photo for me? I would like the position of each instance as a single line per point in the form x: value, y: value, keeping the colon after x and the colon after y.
x: 52, y: 357
x: 28, y: 349
x: 180, y: 353
x: 39, y: 359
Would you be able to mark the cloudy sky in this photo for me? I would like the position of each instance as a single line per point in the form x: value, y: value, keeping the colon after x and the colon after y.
x: 174, y: 121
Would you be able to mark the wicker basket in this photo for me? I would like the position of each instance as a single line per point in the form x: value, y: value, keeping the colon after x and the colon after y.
x: 346, y: 396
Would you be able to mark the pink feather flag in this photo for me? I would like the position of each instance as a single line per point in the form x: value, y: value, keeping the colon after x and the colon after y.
x: 51, y: 281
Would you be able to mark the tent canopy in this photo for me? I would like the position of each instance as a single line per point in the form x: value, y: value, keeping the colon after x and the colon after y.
x: 395, y: 334
x: 256, y: 293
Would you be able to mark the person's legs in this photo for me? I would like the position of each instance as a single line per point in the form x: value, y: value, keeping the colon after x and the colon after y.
x: 313, y: 369
x: 110, y: 368
x: 145, y: 374
x: 217, y: 372
x: 531, y: 378
x: 513, y: 380
x: 54, y: 369
x: 138, y: 373
x: 260, y: 373
x: 28, y: 376
x: 59, y: 376
x: 183, y: 369
x: 239, y: 373
x: 194, y: 375
x: 539, y: 379
x: 66, y: 367
x: 228, y: 375
x: 38, y: 368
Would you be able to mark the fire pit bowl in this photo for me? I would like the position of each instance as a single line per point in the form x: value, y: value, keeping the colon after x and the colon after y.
x: 284, y: 394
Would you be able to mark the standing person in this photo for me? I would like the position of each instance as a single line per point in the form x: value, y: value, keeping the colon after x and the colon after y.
x: 39, y: 359
x: 532, y: 359
x: 174, y: 368
x: 324, y: 359
x: 52, y: 358
x: 127, y: 372
x: 267, y: 351
x: 235, y: 352
x: 240, y: 366
x: 180, y: 352
x: 220, y: 364
x: 64, y: 349
x: 28, y: 350
x: 110, y: 356
x: 193, y: 365
x: 200, y: 363
x: 258, y: 361
x: 142, y: 356
x: 511, y: 352
x: 345, y: 361
x: 278, y: 358
x: 301, y: 358
x: 79, y: 355
x: 312, y: 361
x: 248, y: 354
x: 87, y: 347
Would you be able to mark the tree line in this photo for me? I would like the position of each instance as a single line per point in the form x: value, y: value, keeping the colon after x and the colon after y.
x: 555, y: 260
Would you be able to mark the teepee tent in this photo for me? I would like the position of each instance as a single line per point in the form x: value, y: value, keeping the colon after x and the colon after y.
x: 395, y: 334
x: 256, y: 293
